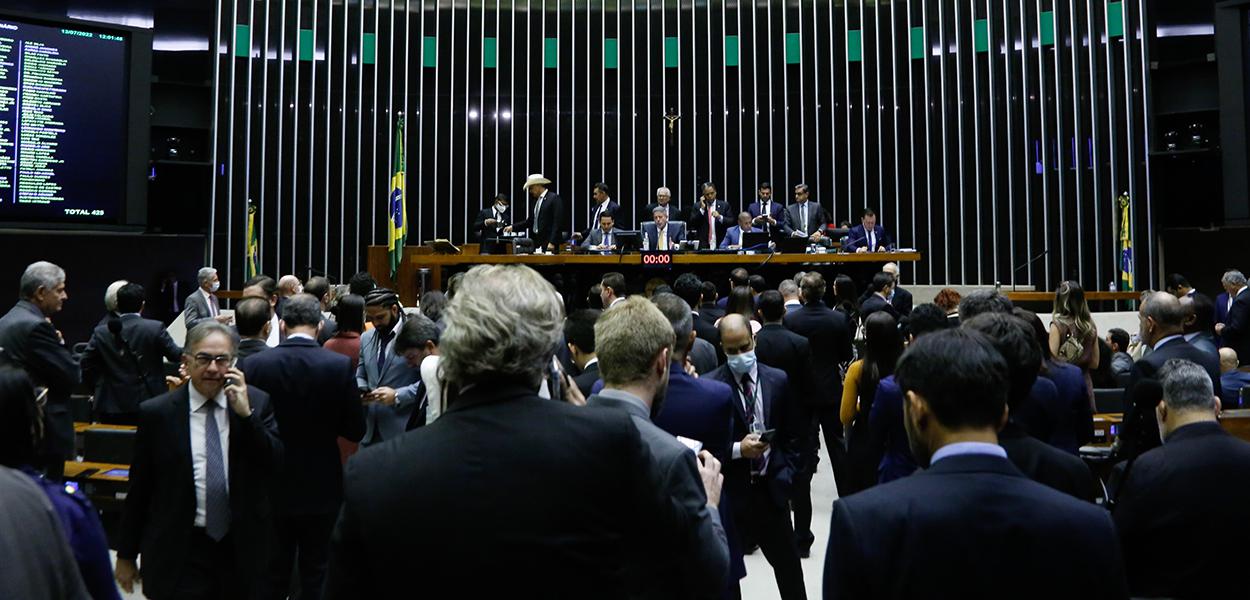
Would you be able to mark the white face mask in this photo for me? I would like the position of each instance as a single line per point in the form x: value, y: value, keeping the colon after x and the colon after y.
x: 216, y: 286
x: 500, y: 206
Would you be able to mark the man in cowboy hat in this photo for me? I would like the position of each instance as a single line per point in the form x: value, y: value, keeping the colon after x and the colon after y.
x: 544, y: 220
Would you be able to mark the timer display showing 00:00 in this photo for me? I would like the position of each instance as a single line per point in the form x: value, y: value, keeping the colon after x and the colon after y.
x: 657, y: 259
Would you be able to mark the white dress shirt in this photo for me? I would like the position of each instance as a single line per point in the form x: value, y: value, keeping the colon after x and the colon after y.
x: 433, y: 390
x: 199, y: 453
x: 275, y: 333
x: 759, y: 408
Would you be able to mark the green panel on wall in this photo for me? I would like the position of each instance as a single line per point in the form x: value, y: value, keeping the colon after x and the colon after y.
x: 490, y: 52
x: 731, y: 51
x: 1047, y: 27
x: 369, y: 48
x: 981, y: 35
x: 551, y: 53
x: 429, y: 51
x: 917, y: 42
x: 611, y: 53
x: 1115, y: 19
x: 305, y: 44
x: 794, y: 49
x: 671, y: 57
x: 855, y: 45
x: 242, y: 40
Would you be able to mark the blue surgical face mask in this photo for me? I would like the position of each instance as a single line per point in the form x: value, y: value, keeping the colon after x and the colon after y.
x: 741, y: 363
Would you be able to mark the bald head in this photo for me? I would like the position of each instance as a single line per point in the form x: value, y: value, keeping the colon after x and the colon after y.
x: 1160, y: 316
x: 1228, y: 360
x: 289, y: 285
x: 735, y: 334
x: 891, y: 268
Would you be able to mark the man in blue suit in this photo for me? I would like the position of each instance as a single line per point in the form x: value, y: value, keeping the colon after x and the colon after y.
x: 382, y: 376
x: 661, y: 234
x: 868, y: 236
x: 766, y: 213
x: 733, y: 235
x: 760, y: 475
x: 700, y: 409
x: 315, y: 400
x: 941, y: 531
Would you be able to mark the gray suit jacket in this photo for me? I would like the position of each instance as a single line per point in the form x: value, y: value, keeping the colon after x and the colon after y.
x: 595, y: 237
x: 196, y: 309
x: 386, y: 422
x: 698, y: 565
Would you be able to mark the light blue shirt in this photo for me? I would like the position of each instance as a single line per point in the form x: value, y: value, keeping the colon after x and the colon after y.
x: 964, y: 448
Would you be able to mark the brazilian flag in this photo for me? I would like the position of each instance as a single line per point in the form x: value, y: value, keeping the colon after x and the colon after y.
x: 397, y: 211
x: 1126, y: 244
x: 252, y: 262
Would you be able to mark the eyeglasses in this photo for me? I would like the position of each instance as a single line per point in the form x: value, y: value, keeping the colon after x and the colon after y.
x: 202, y: 359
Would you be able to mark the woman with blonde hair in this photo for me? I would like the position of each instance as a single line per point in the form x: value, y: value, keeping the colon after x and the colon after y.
x: 1073, y: 335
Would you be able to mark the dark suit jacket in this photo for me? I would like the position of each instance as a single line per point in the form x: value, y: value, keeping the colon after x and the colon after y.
x: 1221, y: 307
x: 1071, y: 416
x: 160, y: 506
x: 611, y: 208
x: 674, y: 213
x: 1236, y: 333
x: 731, y: 236
x: 693, y: 561
x: 548, y: 225
x: 544, y: 520
x: 1140, y: 430
x: 587, y: 379
x: 249, y: 346
x: 196, y: 309
x: 30, y: 342
x: 776, y: 398
x: 711, y: 312
x: 817, y: 218
x: 783, y: 349
x: 1175, y: 515
x: 1047, y: 464
x: 123, y: 380
x: 902, y: 301
x: 676, y: 233
x: 705, y: 330
x: 775, y: 209
x: 886, y: 421
x: 479, y: 228
x: 595, y: 237
x: 315, y: 401
x: 971, y: 526
x: 858, y: 236
x: 874, y: 303
x: 829, y: 334
x: 696, y: 222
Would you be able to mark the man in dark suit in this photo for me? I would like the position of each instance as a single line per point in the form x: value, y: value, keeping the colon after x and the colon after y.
x: 1161, y: 321
x: 601, y: 204
x: 547, y: 219
x: 1174, y: 504
x: 829, y: 334
x: 780, y: 348
x: 688, y: 287
x: 663, y: 201
x: 315, y: 401
x: 766, y: 213
x: 805, y: 218
x: 734, y: 235
x: 760, y: 475
x: 579, y: 336
x: 490, y: 221
x: 1039, y: 461
x: 899, y: 297
x: 942, y: 530
x: 635, y: 340
x: 1234, y: 332
x: 253, y: 320
x: 198, y: 507
x: 878, y: 298
x: 124, y: 361
x: 603, y: 237
x: 203, y: 304
x: 660, y: 234
x: 546, y: 519
x: 700, y: 409
x: 1200, y: 322
x: 32, y: 343
x: 868, y: 236
x: 707, y: 219
x: 710, y: 308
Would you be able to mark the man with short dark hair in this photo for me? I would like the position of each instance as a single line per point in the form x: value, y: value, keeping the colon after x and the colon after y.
x: 491, y: 220
x: 1174, y: 504
x: 1199, y: 321
x: 319, y: 288
x: 124, y: 362
x: 1177, y: 285
x: 983, y: 301
x: 805, y: 218
x: 942, y: 531
x: 417, y: 343
x: 766, y: 213
x: 688, y: 287
x: 738, y: 277
x: 603, y: 237
x: 264, y: 286
x: 1121, y: 361
x: 693, y: 561
x: 601, y: 204
x: 1161, y: 322
x: 198, y: 508
x: 32, y: 343
x: 711, y: 308
x: 252, y: 318
x: 878, y: 299
x: 315, y: 401
x: 868, y: 236
x: 579, y: 335
x: 612, y: 290
x: 708, y: 218
x: 361, y: 284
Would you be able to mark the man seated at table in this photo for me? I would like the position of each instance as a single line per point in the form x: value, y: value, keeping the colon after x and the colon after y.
x: 868, y: 236
x: 602, y: 239
x: 733, y: 235
x: 660, y: 234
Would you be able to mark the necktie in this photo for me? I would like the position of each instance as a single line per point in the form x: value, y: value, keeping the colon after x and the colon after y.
x: 537, y: 211
x: 663, y: 238
x: 213, y: 309
x: 594, y: 217
x: 384, y: 339
x: 711, y: 228
x: 748, y: 392
x: 607, y: 240
x: 803, y: 217
x: 217, y: 500
x: 872, y: 245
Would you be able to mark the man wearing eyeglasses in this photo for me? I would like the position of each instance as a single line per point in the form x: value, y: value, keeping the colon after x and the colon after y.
x: 198, y: 508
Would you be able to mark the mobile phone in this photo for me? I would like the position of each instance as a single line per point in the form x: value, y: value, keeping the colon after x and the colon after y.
x: 694, y: 445
x: 233, y: 362
x: 767, y: 435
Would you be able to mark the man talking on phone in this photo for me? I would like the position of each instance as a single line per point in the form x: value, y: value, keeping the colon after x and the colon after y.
x: 758, y: 478
x: 634, y: 342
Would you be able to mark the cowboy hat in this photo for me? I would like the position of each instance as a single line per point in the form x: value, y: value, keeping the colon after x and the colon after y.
x: 535, y: 179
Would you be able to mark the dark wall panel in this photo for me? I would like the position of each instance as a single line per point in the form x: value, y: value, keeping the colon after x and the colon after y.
x: 983, y: 133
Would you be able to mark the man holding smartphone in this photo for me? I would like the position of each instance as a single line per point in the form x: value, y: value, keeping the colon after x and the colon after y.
x: 383, y: 377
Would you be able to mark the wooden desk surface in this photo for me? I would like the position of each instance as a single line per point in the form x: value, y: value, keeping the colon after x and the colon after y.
x: 73, y: 469
x: 80, y: 427
x: 423, y: 260
x: 1089, y: 295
